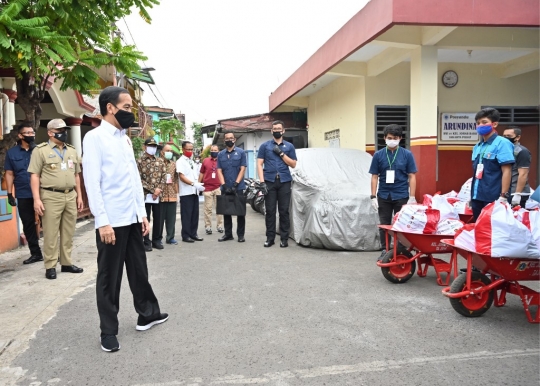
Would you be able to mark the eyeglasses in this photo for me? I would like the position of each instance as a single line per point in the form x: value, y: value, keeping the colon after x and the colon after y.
x: 28, y: 133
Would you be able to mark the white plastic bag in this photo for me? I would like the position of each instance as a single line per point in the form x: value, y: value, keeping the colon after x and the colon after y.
x: 416, y: 219
x: 444, y: 207
x: 448, y: 227
x: 465, y: 192
x: 465, y: 238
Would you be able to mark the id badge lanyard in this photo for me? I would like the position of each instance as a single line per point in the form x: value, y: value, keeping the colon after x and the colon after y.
x: 480, y: 167
x: 63, y: 165
x: 391, y: 174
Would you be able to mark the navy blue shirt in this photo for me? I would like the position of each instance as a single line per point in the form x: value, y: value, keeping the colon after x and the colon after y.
x: 493, y: 153
x: 17, y: 160
x: 403, y: 164
x: 230, y: 162
x: 273, y: 164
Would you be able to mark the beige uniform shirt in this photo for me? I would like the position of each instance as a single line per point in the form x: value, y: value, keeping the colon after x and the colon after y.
x: 56, y: 168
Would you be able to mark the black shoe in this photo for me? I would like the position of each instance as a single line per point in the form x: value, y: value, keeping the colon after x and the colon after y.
x: 284, y: 244
x: 33, y: 259
x: 208, y: 231
x: 143, y: 325
x: 72, y: 269
x: 225, y: 238
x: 109, y: 343
x: 147, y: 248
x: 220, y: 230
x: 268, y: 243
x: 188, y: 240
x: 158, y: 245
x: 383, y: 254
x: 50, y: 273
x: 241, y: 239
x: 197, y: 238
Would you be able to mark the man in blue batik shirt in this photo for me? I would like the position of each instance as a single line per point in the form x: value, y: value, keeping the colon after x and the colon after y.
x: 394, y: 170
x: 492, y: 160
x: 277, y: 156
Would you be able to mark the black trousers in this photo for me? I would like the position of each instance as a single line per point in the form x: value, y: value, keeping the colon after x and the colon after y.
x: 477, y: 206
x: 128, y: 249
x: 387, y: 210
x: 189, y: 215
x: 240, y: 228
x: 168, y: 219
x: 154, y: 209
x: 279, y: 194
x: 28, y: 218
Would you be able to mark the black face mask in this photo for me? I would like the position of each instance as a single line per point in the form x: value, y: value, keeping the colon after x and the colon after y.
x: 213, y: 154
x: 229, y: 143
x: 62, y: 137
x: 513, y: 140
x: 125, y: 118
x: 277, y: 134
x: 29, y: 138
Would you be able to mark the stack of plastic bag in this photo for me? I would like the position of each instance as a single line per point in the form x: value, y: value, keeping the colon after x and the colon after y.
x: 499, y: 233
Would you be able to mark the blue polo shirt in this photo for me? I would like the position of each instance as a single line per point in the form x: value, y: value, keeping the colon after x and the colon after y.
x: 230, y: 162
x: 273, y: 164
x: 493, y: 153
x: 403, y: 164
x: 17, y: 160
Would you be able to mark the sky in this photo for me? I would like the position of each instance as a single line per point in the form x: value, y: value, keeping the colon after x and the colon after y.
x: 217, y: 59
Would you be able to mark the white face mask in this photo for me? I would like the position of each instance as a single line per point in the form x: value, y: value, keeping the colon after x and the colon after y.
x: 151, y: 150
x: 391, y: 143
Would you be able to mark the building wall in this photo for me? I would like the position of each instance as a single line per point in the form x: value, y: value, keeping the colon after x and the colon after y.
x: 340, y: 105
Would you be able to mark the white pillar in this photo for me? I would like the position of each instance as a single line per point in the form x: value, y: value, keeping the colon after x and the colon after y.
x: 75, y: 133
x: 424, y: 81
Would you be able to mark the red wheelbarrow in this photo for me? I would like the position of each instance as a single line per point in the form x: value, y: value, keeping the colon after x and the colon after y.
x: 398, y: 265
x: 473, y: 293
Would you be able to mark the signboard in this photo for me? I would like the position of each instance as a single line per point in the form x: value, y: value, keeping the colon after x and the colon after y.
x: 458, y: 128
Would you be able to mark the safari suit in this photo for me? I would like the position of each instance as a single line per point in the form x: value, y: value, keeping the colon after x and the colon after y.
x: 57, y: 170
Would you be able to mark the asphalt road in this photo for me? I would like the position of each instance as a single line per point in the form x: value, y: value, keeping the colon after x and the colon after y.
x: 242, y: 314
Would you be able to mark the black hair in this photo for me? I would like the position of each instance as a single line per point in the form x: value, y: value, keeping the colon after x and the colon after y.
x: 278, y: 122
x: 24, y: 125
x: 185, y: 143
x: 227, y: 132
x: 394, y: 130
x: 110, y: 94
x: 490, y: 113
x: 517, y: 130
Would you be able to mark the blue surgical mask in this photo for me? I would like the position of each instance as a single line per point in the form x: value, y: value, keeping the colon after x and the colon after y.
x: 484, y: 129
x: 168, y: 154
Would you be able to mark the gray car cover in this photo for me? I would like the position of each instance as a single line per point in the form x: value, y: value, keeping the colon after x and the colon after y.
x: 330, y: 204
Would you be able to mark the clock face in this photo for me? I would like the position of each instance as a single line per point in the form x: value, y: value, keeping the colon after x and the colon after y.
x: 450, y: 78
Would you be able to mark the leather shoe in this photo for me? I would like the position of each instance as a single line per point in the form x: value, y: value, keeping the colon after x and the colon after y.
x: 284, y: 244
x: 268, y: 243
x: 33, y: 259
x: 225, y: 238
x: 197, y: 238
x: 147, y: 248
x: 188, y: 240
x: 157, y: 245
x: 50, y: 273
x: 72, y: 269
x: 241, y: 239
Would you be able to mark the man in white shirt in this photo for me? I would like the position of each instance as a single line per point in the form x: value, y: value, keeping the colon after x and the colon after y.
x: 116, y: 199
x: 189, y: 194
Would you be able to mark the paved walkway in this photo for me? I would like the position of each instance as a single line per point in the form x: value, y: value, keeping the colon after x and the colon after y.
x: 243, y: 314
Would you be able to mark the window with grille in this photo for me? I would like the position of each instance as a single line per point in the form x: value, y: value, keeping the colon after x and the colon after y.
x: 518, y: 115
x: 387, y: 115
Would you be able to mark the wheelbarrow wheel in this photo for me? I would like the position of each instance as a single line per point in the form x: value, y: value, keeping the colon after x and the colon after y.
x: 398, y: 274
x: 471, y: 305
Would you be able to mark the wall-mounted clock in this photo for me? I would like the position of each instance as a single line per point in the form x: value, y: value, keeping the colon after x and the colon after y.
x: 450, y: 78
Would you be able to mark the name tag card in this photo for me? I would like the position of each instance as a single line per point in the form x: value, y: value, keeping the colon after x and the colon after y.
x: 390, y: 176
x: 479, y: 171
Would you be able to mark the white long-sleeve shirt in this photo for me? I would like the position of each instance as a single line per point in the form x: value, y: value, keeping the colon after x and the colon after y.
x: 111, y: 177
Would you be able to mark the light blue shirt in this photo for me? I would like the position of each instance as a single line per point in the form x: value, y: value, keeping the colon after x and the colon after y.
x: 111, y: 177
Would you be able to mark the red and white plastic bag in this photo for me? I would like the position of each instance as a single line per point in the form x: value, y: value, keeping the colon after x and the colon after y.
x: 465, y: 192
x: 416, y: 219
x: 499, y: 234
x: 448, y: 227
x: 465, y: 238
x: 447, y: 211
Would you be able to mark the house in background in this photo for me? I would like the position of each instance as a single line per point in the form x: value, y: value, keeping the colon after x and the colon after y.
x: 251, y: 131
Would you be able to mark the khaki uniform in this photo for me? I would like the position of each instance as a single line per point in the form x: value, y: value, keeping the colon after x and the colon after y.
x: 57, y: 170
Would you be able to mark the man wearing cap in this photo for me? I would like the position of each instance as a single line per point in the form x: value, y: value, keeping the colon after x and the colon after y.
x: 56, y: 189
x: 153, y: 174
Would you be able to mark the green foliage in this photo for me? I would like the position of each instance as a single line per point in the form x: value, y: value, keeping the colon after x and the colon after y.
x: 169, y: 128
x: 206, y: 152
x: 64, y: 39
x: 137, y: 144
x: 197, y: 135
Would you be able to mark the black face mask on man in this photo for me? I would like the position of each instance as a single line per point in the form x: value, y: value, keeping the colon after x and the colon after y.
x: 229, y: 143
x: 62, y: 136
x: 277, y: 134
x: 29, y: 139
x: 125, y: 118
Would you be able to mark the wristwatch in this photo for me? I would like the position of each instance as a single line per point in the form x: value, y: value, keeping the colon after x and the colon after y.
x: 282, y: 154
x: 505, y: 195
x: 372, y: 197
x: 193, y: 184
